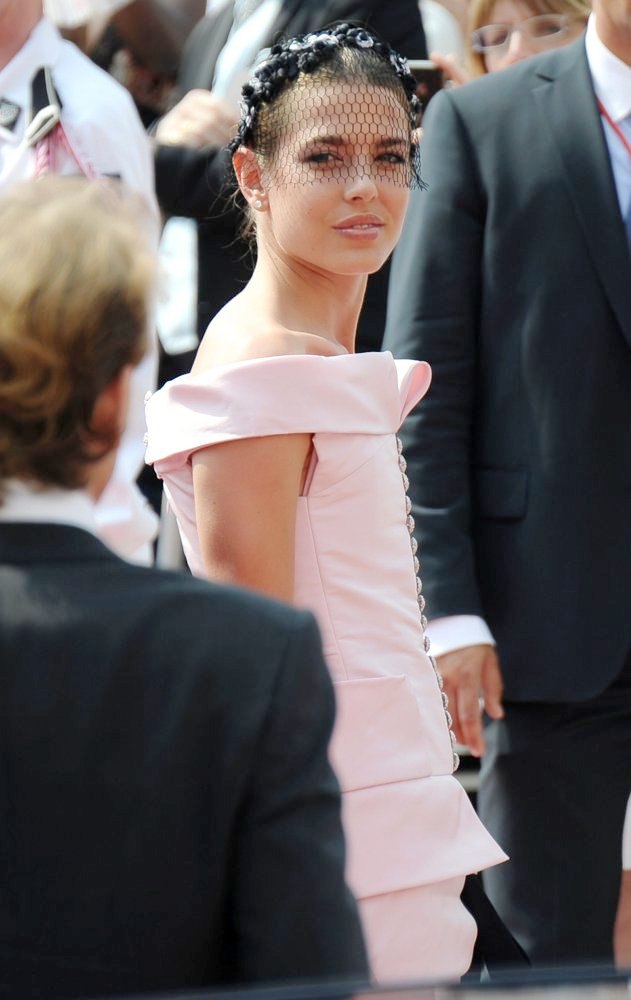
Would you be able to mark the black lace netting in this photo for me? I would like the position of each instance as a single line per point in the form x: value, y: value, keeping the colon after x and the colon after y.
x: 334, y: 105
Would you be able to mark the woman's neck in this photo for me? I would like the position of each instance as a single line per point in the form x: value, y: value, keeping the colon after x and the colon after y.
x: 293, y: 295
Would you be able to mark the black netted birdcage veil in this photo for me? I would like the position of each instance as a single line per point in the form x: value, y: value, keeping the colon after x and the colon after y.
x: 335, y: 104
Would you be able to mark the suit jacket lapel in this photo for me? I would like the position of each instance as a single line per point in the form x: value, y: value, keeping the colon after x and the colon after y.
x: 568, y: 110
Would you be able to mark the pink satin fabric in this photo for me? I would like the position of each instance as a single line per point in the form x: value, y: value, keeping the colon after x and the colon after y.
x: 412, y: 834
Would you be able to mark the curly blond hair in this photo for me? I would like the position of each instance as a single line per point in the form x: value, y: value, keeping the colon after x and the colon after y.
x: 75, y: 276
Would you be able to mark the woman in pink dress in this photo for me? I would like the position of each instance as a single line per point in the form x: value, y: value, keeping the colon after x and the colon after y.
x: 280, y: 460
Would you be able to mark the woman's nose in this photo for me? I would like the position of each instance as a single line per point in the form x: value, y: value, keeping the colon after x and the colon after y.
x: 361, y: 185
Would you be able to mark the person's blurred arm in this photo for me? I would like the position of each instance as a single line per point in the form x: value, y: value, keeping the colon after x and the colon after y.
x: 200, y: 120
x: 189, y: 181
x: 192, y: 165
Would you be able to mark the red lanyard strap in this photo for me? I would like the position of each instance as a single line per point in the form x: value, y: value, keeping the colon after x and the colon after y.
x: 623, y: 139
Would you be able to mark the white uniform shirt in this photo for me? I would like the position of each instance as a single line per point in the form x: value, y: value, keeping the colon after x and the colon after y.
x: 104, y: 129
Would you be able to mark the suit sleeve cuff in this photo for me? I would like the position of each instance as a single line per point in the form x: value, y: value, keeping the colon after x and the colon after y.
x: 456, y: 632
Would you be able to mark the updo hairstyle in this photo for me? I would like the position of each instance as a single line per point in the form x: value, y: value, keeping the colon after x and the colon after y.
x: 278, y: 92
x: 75, y: 276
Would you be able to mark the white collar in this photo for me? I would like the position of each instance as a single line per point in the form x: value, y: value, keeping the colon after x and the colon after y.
x: 41, y: 48
x: 610, y: 75
x: 47, y: 505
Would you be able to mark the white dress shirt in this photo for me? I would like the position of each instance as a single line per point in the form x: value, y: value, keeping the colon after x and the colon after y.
x: 611, y: 78
x: 26, y: 502
x: 105, y: 131
x: 456, y: 632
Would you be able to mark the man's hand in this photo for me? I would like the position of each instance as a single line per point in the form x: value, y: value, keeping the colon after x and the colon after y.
x: 473, y: 682
x: 200, y: 121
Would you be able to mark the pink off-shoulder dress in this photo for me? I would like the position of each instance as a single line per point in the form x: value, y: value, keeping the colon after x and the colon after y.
x: 412, y: 834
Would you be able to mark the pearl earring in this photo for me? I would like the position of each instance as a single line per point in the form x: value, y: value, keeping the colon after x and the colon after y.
x: 258, y: 204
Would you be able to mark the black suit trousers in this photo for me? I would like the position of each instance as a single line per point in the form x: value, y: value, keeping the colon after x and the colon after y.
x: 554, y: 787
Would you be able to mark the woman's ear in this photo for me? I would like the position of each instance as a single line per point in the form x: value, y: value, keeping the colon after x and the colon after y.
x: 250, y: 179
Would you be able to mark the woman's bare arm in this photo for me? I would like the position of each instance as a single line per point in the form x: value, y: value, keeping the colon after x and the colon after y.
x: 246, y: 495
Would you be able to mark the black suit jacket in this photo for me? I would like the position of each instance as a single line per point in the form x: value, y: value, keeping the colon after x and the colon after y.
x: 194, y: 184
x: 512, y: 280
x: 168, y: 817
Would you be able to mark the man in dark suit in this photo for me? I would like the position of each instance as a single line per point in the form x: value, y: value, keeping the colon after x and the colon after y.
x: 168, y: 816
x: 192, y: 167
x: 512, y: 280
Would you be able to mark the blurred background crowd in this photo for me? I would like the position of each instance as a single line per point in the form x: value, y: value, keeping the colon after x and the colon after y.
x: 488, y: 252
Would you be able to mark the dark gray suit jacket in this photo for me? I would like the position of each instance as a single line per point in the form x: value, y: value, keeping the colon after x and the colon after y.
x: 168, y: 816
x: 193, y: 184
x: 512, y: 279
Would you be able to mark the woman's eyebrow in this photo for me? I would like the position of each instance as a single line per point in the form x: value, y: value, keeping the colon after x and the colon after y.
x: 330, y: 140
x: 337, y: 140
x: 393, y: 141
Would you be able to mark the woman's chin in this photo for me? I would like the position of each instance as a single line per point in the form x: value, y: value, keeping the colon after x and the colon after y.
x: 363, y: 264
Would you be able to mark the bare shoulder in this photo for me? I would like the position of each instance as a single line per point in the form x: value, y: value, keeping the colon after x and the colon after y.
x: 220, y: 346
x: 283, y: 341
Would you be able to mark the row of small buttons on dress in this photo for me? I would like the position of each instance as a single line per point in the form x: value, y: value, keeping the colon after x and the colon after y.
x: 421, y: 600
x: 148, y: 396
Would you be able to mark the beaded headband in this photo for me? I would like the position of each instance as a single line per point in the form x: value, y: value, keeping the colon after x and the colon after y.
x: 362, y: 109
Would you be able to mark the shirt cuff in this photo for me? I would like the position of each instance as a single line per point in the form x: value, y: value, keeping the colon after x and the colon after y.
x: 457, y: 631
